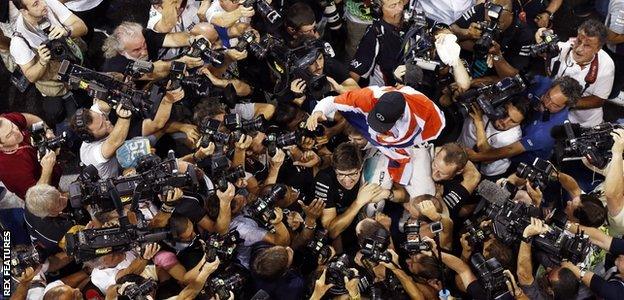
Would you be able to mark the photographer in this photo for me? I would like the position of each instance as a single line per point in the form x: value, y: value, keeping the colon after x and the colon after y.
x: 40, y: 22
x: 300, y: 22
x: 32, y: 287
x: 549, y: 110
x: 561, y: 282
x: 272, y: 272
x: 614, y: 185
x: 427, y: 209
x: 481, y: 133
x: 19, y: 168
x: 583, y: 59
x: 376, y: 56
x: 509, y: 38
x: 230, y: 18
x: 131, y: 42
x: 101, y: 139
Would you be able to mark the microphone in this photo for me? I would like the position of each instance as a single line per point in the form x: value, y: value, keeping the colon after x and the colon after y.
x: 413, y: 75
x: 261, y: 295
x: 492, y: 192
x: 153, y: 237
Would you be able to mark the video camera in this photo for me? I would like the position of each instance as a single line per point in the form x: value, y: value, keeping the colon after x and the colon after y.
x: 262, y: 210
x: 304, y: 56
x: 42, y: 143
x: 561, y: 244
x: 375, y: 248
x: 23, y: 257
x: 265, y: 10
x: 508, y: 218
x: 490, y: 30
x: 593, y: 143
x: 491, y: 98
x: 153, y: 175
x: 548, y: 45
x: 222, y: 246
x: 201, y: 48
x: 106, y: 88
x: 538, y: 173
x: 490, y: 275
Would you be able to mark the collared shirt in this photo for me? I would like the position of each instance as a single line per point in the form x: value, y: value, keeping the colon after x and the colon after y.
x: 615, y: 22
x: 600, y: 88
x: 377, y: 54
x: 445, y: 11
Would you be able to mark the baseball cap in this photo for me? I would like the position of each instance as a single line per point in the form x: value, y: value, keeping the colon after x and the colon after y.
x: 387, y: 111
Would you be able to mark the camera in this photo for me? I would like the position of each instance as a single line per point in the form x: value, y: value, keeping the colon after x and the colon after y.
x: 63, y: 48
x: 23, y: 257
x: 413, y: 243
x: 226, y: 282
x: 337, y: 268
x: 140, y: 291
x: 265, y: 10
x: 490, y: 275
x: 548, y: 45
x: 248, y: 41
x: 593, y: 143
x: 476, y: 235
x: 201, y: 48
x: 138, y: 68
x: 273, y: 141
x: 231, y: 175
x: 106, y: 88
x: 222, y: 246
x: 508, y: 220
x: 235, y: 123
x: 262, y: 210
x: 319, y: 245
x: 375, y: 247
x: 42, y: 143
x: 491, y: 99
x: 196, y: 85
x: 330, y: 12
x: 538, y: 173
x: 560, y: 244
x: 209, y: 129
x: 490, y: 29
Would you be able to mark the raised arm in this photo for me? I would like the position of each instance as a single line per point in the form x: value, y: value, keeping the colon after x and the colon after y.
x: 614, y: 181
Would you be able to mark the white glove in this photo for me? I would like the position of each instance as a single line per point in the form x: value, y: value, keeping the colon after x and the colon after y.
x: 447, y: 49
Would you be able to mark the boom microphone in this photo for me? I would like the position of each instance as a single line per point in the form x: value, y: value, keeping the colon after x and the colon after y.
x: 560, y: 132
x: 492, y: 192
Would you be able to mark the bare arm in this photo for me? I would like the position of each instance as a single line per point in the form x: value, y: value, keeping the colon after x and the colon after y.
x: 614, y: 38
x: 76, y: 25
x: 596, y: 236
x: 496, y: 153
x: 569, y: 184
x: 614, y: 185
x: 116, y: 138
x: 136, y: 267
x: 226, y: 19
x: 163, y: 113
x: 460, y: 267
x: 472, y: 177
x: 281, y: 237
x: 169, y: 17
x: 337, y: 224
x: 589, y: 102
x: 36, y: 68
x: 177, y: 39
x: 503, y: 68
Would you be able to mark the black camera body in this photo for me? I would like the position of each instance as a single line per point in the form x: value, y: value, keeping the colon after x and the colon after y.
x: 229, y: 281
x: 201, y: 48
x: 508, y: 220
x: 593, y: 143
x: 490, y: 30
x: 222, y: 246
x: 476, y: 235
x: 490, y: 275
x: 375, y: 248
x: 538, y: 173
x: 140, y: 291
x: 264, y: 9
x: 195, y: 85
x: 491, y: 99
x: 230, y: 175
x: 560, y: 244
x: 319, y: 244
x: 209, y: 129
x: 547, y: 47
x: 138, y: 68
x: 337, y: 268
x: 22, y: 258
x: 248, y: 41
x: 106, y: 88
x: 262, y: 210
x: 42, y: 143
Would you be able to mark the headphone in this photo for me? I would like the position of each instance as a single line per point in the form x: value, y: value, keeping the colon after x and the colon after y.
x: 81, y: 126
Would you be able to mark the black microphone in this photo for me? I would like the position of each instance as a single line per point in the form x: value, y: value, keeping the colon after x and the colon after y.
x: 492, y: 192
x: 413, y: 75
x: 261, y: 295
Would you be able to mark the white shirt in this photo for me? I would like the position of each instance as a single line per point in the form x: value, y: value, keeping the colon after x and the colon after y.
x: 91, y: 154
x: 600, y: 88
x: 615, y: 19
x: 104, y: 278
x: 215, y: 9
x: 23, y: 49
x: 82, y: 5
x: 445, y: 11
x: 186, y: 21
x: 496, y: 138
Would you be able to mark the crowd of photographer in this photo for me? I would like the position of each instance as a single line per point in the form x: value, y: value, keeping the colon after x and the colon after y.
x: 258, y: 149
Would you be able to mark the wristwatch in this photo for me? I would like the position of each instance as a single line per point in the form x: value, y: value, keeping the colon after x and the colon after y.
x: 496, y: 57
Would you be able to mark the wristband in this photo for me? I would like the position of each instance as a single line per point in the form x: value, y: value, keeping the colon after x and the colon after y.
x: 126, y: 118
x: 166, y: 208
x: 527, y: 240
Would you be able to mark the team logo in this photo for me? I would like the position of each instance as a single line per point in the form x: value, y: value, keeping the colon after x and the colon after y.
x: 380, y: 117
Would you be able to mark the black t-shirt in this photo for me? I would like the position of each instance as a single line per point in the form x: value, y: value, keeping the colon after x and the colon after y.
x: 154, y: 41
x: 328, y: 189
x: 298, y: 178
x: 192, y: 208
x: 380, y: 46
x: 531, y: 9
x: 336, y: 70
x: 514, y: 41
x: 47, y: 232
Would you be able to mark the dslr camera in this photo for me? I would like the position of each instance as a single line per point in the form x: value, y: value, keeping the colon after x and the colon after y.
x: 222, y: 246
x: 201, y: 48
x: 248, y: 41
x: 23, y: 257
x: 491, y: 99
x: 548, y: 46
x: 196, y: 85
x: 561, y: 244
x: 262, y: 210
x: 42, y: 143
x: 413, y: 243
x: 538, y: 173
x: 231, y: 280
x: 264, y: 9
x: 223, y: 173
x: 375, y: 248
x: 490, y: 30
x: 319, y: 245
x: 476, y: 235
x: 337, y: 268
x: 490, y: 275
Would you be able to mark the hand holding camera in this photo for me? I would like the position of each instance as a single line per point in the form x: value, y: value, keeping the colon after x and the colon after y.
x: 57, y: 32
x: 48, y: 161
x: 536, y: 227
x: 474, y: 31
x: 225, y: 198
x: 279, y: 216
x: 246, y: 12
x: 150, y: 251
x: 618, y: 140
x: 122, y: 112
x: 44, y: 55
x: 298, y: 86
x: 368, y: 193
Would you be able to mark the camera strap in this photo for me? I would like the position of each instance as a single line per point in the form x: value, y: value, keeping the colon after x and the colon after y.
x: 589, y: 79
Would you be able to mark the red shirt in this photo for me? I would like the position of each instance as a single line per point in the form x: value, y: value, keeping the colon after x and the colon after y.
x: 21, y: 170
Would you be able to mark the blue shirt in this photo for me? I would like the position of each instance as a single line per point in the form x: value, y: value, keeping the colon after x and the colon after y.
x: 536, y: 138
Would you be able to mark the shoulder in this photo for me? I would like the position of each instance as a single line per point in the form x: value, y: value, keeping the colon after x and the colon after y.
x: 605, y: 62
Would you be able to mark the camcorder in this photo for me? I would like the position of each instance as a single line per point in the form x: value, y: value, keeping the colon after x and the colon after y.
x: 413, y: 243
x: 560, y: 244
x: 375, y: 248
x: 106, y: 88
x: 491, y: 99
x: 153, y: 177
x: 265, y: 10
x: 263, y: 209
x: 489, y: 30
x: 302, y: 57
x: 592, y: 143
x: 490, y: 275
x: 23, y: 257
x: 538, y: 173
x: 222, y: 246
x: 547, y: 47
x: 201, y: 48
x: 42, y: 143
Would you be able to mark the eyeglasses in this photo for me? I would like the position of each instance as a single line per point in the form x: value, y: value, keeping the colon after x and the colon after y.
x: 353, y: 175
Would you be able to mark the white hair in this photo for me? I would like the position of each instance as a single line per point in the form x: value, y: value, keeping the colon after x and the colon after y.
x: 42, y: 198
x: 114, y: 43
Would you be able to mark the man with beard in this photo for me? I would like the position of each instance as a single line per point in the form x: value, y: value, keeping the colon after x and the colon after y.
x: 131, y: 42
